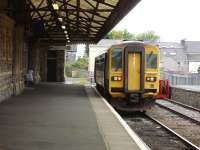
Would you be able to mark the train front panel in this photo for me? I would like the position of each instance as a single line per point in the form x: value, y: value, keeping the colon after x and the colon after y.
x: 133, y: 69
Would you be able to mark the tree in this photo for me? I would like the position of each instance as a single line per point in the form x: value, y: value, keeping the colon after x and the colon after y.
x: 120, y: 34
x: 81, y: 63
x: 148, y: 36
x: 115, y: 34
x: 125, y: 35
x: 128, y: 36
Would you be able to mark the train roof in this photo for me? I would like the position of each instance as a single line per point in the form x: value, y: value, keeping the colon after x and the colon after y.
x: 102, y: 56
x: 143, y: 43
x: 130, y: 43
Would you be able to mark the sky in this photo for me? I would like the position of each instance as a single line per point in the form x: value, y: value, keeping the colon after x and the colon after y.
x: 172, y: 20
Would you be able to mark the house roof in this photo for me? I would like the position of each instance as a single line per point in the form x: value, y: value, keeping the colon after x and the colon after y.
x: 192, y: 46
x: 107, y: 42
x: 170, y: 45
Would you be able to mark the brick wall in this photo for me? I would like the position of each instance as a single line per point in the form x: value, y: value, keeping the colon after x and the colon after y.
x: 188, y: 97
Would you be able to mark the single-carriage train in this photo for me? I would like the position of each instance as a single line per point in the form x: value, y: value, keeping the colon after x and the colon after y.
x: 128, y: 74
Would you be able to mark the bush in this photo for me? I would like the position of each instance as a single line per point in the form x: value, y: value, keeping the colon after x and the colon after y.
x: 79, y: 64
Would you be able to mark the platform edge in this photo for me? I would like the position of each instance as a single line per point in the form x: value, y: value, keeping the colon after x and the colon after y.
x: 140, y: 143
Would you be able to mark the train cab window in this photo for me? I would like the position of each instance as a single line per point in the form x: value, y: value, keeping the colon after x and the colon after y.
x: 117, y: 59
x: 151, y: 61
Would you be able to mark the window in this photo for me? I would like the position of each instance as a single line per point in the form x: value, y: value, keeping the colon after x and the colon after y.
x: 151, y: 61
x: 172, y: 53
x: 117, y: 59
x: 164, y: 53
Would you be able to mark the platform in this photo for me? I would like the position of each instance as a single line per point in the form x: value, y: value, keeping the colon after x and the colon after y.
x: 56, y: 116
x: 195, y: 88
x: 189, y: 95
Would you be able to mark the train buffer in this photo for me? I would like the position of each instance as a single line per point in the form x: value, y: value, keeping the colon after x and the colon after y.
x: 164, y: 89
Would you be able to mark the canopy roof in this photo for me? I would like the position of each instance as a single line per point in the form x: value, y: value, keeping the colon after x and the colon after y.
x: 77, y: 21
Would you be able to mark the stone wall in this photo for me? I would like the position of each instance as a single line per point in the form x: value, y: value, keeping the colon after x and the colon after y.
x: 38, y: 61
x: 19, y: 61
x: 35, y: 63
x: 3, y: 4
x: 188, y: 97
x: 18, y: 54
x: 43, y: 63
x: 6, y: 56
x: 13, y: 57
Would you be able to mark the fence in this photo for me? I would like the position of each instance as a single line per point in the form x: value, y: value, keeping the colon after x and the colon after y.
x: 180, y: 79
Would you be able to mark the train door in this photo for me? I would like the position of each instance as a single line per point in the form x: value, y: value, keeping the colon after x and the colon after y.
x: 134, y: 69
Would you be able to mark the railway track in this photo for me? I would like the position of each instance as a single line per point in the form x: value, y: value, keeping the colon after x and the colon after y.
x: 181, y: 119
x: 183, y: 105
x: 184, y: 140
x: 184, y: 110
x: 156, y: 135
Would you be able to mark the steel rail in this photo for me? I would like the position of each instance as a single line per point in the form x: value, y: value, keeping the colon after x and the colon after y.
x: 183, y: 105
x: 180, y: 114
x: 191, y: 145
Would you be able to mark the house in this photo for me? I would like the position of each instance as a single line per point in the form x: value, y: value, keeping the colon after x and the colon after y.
x: 192, y: 50
x: 183, y: 57
x: 173, y: 57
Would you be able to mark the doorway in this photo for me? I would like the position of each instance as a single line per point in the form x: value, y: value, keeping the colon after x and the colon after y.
x: 134, y: 68
x: 52, y: 66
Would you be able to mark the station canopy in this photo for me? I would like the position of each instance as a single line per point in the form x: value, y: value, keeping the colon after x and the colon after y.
x: 77, y: 21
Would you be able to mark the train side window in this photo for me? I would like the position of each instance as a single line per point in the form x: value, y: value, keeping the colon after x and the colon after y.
x: 151, y: 61
x: 117, y: 59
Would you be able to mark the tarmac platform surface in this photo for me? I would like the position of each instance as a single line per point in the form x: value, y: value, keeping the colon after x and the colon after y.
x: 56, y: 116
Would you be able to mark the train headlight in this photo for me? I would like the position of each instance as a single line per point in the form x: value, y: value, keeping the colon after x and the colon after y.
x: 116, y: 78
x: 151, y: 79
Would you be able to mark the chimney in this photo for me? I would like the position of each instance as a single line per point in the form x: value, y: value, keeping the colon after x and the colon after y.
x: 183, y: 42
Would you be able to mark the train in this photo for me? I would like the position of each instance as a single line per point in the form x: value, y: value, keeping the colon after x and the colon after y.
x: 128, y: 75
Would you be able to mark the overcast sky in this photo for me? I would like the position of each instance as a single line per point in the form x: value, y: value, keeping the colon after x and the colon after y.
x: 173, y: 20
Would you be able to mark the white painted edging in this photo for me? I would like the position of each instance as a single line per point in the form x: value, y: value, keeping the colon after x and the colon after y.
x: 132, y: 134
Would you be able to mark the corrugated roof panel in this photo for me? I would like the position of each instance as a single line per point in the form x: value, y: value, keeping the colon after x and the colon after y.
x: 97, y: 18
x: 103, y: 6
x: 70, y: 7
x: 96, y: 25
x: 35, y: 16
x: 88, y: 14
x: 72, y: 2
x: 92, y: 2
x: 44, y: 4
x: 85, y: 5
x: 112, y: 2
x: 36, y: 3
x: 105, y: 14
x: 46, y: 17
